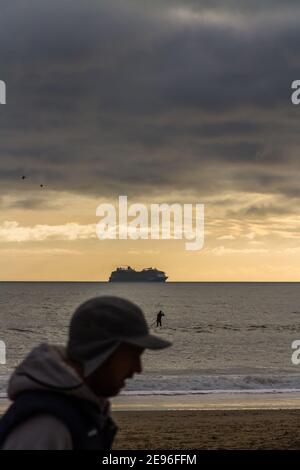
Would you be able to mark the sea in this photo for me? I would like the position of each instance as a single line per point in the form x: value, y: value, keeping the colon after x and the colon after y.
x: 227, y: 337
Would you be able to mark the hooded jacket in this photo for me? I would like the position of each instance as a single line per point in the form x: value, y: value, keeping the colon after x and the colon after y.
x: 45, y: 376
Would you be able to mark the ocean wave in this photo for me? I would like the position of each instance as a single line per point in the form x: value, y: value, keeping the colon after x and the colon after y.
x: 208, y: 392
x: 202, y: 384
x: 224, y: 383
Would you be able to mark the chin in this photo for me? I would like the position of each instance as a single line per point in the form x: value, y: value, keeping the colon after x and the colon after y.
x: 111, y: 391
x: 114, y: 392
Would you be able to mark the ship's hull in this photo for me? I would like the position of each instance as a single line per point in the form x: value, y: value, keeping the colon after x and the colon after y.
x: 135, y: 279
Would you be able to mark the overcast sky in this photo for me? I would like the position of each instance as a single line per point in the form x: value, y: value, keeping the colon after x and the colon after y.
x: 161, y: 101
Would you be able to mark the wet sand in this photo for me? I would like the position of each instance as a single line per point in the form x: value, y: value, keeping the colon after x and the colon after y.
x: 208, y: 429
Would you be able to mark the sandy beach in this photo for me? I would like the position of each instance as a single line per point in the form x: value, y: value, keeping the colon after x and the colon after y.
x: 222, y: 421
x: 207, y: 429
x: 191, y: 422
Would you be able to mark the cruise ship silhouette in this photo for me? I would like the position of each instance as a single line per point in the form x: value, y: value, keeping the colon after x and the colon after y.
x: 131, y: 275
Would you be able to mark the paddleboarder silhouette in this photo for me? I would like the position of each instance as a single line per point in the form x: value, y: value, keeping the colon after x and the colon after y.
x: 158, y: 318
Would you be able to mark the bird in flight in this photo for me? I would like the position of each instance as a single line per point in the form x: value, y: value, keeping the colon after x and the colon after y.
x: 24, y: 178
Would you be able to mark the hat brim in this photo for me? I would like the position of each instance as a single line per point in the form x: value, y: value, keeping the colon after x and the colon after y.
x: 148, y: 342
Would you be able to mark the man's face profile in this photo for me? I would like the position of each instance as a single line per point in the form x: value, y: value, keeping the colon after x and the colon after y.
x: 109, y: 378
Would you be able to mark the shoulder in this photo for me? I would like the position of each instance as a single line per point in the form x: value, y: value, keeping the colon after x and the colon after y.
x: 42, y: 431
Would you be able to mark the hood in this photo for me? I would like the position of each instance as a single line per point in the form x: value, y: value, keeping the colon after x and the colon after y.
x: 45, y: 368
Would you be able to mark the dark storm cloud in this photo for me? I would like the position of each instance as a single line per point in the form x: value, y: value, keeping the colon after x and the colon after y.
x: 126, y: 96
x: 261, y: 211
x: 30, y: 203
